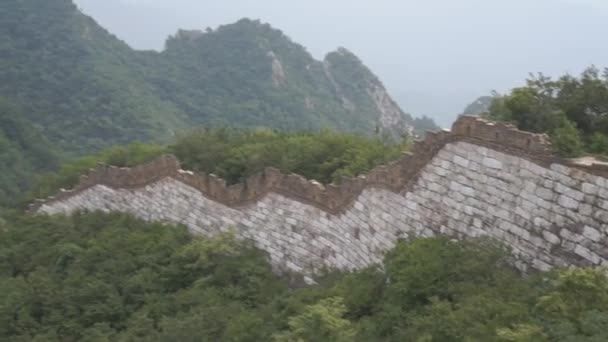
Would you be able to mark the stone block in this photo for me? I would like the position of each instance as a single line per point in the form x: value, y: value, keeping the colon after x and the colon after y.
x: 551, y: 238
x: 568, y: 202
x: 584, y: 252
x: 570, y: 236
x: 544, y: 193
x: 466, y: 190
x: 592, y: 234
x: 590, y: 189
x: 460, y: 161
x: 585, y: 210
x: 492, y: 163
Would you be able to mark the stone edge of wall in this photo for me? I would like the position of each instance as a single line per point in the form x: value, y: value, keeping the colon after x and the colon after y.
x: 398, y: 176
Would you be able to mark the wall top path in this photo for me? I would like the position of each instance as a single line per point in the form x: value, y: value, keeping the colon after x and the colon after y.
x: 398, y: 176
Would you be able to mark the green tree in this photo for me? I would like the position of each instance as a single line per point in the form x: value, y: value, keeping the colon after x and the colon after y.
x: 573, y: 110
x: 575, y: 307
x: 111, y: 277
x: 567, y: 140
x: 321, y: 322
x: 522, y: 333
x: 599, y: 143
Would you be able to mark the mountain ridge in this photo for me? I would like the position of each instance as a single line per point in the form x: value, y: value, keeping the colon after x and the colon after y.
x: 85, y: 89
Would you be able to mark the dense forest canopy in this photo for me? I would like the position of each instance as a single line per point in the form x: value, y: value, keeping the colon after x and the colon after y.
x: 81, y: 86
x: 24, y: 153
x: 572, y: 110
x: 110, y: 277
x: 326, y: 156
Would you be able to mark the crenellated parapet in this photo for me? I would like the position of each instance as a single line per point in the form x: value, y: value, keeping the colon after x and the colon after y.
x: 479, y: 179
x: 503, y: 134
x: 333, y: 198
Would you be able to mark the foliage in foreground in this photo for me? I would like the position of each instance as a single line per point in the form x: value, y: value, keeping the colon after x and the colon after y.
x: 572, y: 110
x: 100, y: 277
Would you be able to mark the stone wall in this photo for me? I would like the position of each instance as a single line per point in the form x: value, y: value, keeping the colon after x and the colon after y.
x: 479, y: 179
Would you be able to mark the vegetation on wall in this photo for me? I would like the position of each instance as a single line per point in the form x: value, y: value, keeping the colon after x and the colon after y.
x: 326, y: 156
x: 235, y: 154
x: 110, y: 277
x: 572, y: 110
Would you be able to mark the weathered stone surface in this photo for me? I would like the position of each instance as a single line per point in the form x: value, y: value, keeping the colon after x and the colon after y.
x: 479, y: 180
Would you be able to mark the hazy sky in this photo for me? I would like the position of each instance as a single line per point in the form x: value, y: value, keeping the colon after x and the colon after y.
x: 435, y: 56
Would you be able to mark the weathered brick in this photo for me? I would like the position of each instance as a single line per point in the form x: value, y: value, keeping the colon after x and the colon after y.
x: 466, y: 190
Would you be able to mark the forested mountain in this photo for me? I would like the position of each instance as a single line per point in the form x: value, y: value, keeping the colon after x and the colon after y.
x: 85, y: 89
x: 23, y: 153
x: 251, y: 74
x: 479, y: 106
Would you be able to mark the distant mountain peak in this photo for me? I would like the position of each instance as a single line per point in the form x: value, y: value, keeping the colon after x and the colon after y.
x: 88, y: 89
x: 289, y: 65
x: 391, y: 119
x: 480, y: 105
x: 189, y: 34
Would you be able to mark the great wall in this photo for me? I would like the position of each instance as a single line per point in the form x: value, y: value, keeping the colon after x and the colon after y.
x: 479, y: 179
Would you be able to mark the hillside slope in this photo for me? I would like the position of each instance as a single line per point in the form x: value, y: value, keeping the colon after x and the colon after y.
x: 82, y: 86
x: 23, y: 153
x: 85, y: 89
x: 251, y: 74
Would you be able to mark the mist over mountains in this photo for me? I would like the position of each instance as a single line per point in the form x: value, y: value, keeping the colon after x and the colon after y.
x: 86, y: 89
x: 435, y: 57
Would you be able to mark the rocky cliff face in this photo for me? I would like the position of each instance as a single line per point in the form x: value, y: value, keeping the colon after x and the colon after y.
x: 361, y: 90
x: 278, y: 72
x: 279, y: 83
x: 392, y: 119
